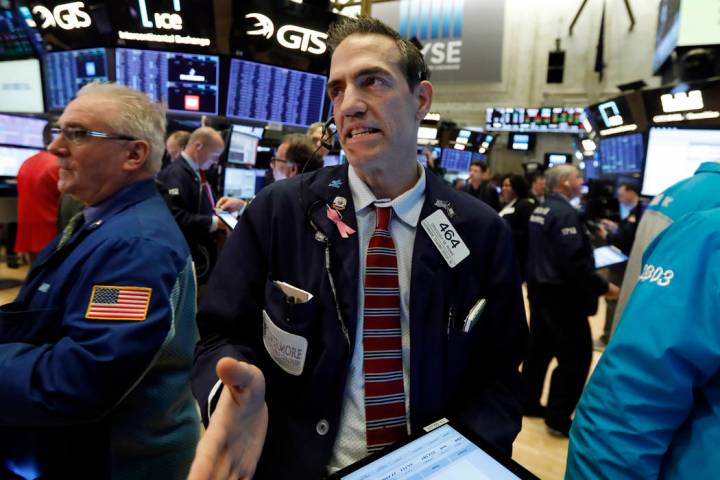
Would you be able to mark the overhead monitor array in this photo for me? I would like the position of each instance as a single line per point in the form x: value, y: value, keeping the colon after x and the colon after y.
x: 186, y: 83
x: 67, y: 72
x: 273, y: 94
x: 544, y: 119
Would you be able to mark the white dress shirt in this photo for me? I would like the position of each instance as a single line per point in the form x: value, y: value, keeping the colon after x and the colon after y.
x: 350, y: 444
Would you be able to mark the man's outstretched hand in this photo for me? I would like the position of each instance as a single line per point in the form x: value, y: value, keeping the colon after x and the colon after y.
x: 233, y: 442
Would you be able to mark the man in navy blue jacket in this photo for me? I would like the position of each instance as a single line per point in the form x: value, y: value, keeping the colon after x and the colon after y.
x: 191, y: 199
x: 95, y: 352
x: 282, y: 323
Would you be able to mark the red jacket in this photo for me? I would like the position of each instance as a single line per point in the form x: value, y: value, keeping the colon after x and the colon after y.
x: 37, y: 202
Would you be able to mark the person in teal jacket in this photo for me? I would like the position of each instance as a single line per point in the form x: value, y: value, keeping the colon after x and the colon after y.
x: 652, y: 406
x: 699, y: 192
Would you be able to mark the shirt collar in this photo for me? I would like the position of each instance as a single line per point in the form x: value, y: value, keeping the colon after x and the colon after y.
x: 190, y: 161
x: 97, y: 211
x: 407, y: 207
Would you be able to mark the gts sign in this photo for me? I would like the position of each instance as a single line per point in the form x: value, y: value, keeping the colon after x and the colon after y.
x: 68, y: 16
x: 291, y: 37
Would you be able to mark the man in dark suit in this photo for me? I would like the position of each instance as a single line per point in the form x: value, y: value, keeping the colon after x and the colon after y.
x: 327, y: 272
x: 479, y: 186
x: 565, y: 289
x: 191, y: 199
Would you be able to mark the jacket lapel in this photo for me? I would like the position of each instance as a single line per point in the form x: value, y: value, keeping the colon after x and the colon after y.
x: 344, y: 261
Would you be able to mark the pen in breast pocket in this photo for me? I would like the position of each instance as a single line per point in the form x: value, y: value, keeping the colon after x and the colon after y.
x: 474, y: 315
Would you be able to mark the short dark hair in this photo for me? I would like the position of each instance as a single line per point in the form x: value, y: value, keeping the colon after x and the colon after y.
x: 303, y: 152
x: 632, y: 186
x: 411, y: 59
x: 479, y: 163
x: 518, y: 184
x: 535, y: 176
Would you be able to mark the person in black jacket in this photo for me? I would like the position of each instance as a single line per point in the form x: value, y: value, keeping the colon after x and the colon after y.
x: 621, y: 235
x: 191, y: 199
x: 478, y: 185
x: 561, y: 274
x: 516, y: 212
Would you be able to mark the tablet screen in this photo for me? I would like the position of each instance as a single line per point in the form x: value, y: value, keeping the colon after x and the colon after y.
x: 227, y: 218
x: 442, y: 454
x: 608, y: 255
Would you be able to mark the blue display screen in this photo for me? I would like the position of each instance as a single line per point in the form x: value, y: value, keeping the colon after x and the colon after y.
x: 69, y: 71
x: 273, y: 94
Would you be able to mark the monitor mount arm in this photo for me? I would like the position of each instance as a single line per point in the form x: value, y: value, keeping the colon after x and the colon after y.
x: 582, y: 6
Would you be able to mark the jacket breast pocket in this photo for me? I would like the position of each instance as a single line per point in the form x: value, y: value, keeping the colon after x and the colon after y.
x: 34, y: 326
x: 291, y: 331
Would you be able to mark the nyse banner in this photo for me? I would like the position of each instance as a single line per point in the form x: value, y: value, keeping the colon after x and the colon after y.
x: 462, y: 39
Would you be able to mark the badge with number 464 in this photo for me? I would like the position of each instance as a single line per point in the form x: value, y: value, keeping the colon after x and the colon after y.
x: 445, y: 237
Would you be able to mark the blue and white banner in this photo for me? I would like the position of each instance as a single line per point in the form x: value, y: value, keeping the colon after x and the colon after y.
x: 462, y: 39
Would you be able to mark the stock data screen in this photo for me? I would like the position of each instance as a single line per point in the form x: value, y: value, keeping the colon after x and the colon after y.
x: 273, y: 94
x: 456, y: 160
x: 544, y: 119
x: 67, y: 72
x: 186, y: 83
x: 621, y: 154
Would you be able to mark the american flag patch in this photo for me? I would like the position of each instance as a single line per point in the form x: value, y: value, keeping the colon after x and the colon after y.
x: 118, y: 303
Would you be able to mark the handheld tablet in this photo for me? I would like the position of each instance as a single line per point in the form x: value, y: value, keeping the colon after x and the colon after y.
x: 443, y: 451
x: 227, y: 218
x: 608, y: 255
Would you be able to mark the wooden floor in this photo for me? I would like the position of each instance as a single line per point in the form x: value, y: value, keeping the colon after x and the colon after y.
x: 534, y: 448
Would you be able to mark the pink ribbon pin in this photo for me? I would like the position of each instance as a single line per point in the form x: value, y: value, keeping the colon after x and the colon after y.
x: 342, y: 227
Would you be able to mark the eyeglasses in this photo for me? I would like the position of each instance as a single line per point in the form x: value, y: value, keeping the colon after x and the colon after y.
x: 74, y: 134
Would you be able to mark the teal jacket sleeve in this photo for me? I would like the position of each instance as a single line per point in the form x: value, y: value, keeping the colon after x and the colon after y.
x: 667, y: 346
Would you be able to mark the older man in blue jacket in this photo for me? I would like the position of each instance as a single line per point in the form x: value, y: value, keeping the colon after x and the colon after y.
x: 356, y: 304
x: 95, y: 351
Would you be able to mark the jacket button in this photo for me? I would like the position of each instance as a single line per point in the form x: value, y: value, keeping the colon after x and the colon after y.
x: 322, y: 427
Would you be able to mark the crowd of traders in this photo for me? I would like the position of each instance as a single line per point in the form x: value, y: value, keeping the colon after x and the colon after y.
x: 336, y: 320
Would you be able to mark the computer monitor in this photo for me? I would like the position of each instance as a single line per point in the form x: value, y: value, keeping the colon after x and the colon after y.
x: 673, y: 154
x: 552, y: 159
x: 521, y: 141
x: 250, y: 130
x: 266, y: 93
x: 242, y: 149
x: 243, y: 182
x: 621, y: 154
x: 21, y: 131
x: 21, y: 86
x: 185, y: 82
x: 456, y: 160
x: 11, y: 158
x: 67, y: 72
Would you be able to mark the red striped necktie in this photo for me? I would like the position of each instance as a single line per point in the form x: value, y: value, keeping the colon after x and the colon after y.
x: 206, y: 189
x: 382, y: 345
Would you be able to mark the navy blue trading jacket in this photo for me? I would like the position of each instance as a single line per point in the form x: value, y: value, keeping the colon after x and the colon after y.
x: 560, y: 255
x: 470, y: 376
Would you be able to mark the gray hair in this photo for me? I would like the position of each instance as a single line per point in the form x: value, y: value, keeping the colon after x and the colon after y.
x: 137, y: 117
x: 558, y: 174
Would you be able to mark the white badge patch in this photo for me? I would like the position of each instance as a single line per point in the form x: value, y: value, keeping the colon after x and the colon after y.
x: 174, y: 191
x: 445, y: 238
x: 287, y: 349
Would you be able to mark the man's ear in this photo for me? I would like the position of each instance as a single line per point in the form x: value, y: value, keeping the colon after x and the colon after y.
x: 137, y: 155
x: 423, y: 93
